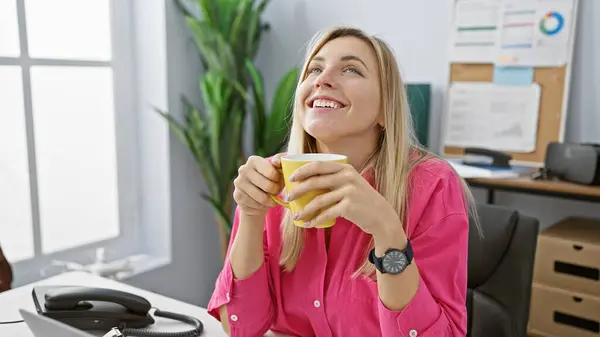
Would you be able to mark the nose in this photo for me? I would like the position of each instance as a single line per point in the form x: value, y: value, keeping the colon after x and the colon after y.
x: 324, y: 80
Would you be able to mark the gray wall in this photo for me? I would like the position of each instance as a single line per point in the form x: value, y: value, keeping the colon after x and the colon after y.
x: 195, y: 250
x: 419, y: 36
x: 583, y: 124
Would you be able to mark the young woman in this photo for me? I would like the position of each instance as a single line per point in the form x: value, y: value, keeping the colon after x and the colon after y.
x: 393, y: 201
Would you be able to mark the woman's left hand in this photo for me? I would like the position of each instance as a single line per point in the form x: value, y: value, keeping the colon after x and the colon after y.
x: 350, y: 194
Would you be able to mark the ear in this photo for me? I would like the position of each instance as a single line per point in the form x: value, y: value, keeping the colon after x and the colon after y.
x: 380, y: 121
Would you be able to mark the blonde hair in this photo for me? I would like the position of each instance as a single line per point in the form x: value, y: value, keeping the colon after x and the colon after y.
x: 395, y: 154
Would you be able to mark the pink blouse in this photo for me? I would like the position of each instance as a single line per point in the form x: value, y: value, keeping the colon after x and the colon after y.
x: 320, y: 298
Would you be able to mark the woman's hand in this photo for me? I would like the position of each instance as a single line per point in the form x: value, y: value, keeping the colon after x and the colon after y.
x: 256, y: 181
x: 350, y: 194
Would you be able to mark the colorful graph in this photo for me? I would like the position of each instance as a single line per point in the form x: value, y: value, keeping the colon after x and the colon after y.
x: 552, y: 23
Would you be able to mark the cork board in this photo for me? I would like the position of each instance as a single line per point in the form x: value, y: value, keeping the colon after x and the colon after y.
x: 549, y: 129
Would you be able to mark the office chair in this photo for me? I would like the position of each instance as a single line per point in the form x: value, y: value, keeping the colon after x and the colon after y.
x: 6, y: 273
x: 500, y: 272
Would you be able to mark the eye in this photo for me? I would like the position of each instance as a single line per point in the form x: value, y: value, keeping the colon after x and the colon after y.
x: 314, y: 70
x: 353, y: 70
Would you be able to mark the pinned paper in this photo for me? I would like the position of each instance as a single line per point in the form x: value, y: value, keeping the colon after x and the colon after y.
x: 513, y: 75
x: 507, y: 58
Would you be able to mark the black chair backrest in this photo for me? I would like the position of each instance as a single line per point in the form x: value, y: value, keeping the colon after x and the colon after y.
x: 500, y: 272
x: 6, y: 273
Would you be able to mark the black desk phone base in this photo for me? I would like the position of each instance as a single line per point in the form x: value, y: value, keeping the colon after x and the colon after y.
x: 89, y: 308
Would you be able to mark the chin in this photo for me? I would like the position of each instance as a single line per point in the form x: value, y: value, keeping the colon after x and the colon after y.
x: 326, y: 125
x: 323, y: 132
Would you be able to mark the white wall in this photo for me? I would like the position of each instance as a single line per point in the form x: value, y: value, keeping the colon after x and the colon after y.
x: 419, y: 33
x: 583, y: 124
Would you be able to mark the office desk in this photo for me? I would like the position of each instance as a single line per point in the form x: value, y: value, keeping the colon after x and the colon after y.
x: 12, y: 300
x: 525, y: 185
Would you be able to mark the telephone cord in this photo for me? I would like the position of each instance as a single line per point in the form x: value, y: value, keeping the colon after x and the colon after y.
x: 144, y: 332
x: 12, y: 322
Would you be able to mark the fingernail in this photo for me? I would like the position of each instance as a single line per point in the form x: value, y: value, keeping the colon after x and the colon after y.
x: 296, y: 216
x: 292, y: 178
x: 307, y: 224
x: 286, y: 197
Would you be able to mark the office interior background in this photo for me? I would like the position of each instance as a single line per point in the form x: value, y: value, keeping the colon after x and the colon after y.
x: 154, y: 208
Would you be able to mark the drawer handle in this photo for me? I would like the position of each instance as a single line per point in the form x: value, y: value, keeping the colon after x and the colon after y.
x: 577, y: 247
x: 577, y: 299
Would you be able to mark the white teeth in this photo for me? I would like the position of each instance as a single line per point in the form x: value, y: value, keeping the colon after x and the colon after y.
x: 323, y: 103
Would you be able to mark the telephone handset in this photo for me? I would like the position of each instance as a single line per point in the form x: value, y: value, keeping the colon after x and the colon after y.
x: 477, y: 156
x: 70, y: 298
x: 91, y: 308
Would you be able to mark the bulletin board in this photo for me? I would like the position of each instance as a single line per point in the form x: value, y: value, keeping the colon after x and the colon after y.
x: 554, y: 82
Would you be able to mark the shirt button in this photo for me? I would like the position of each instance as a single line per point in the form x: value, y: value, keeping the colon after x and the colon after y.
x: 413, y: 333
x: 234, y: 318
x: 317, y: 304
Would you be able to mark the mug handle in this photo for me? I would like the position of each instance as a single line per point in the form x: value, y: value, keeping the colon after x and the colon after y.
x: 280, y: 201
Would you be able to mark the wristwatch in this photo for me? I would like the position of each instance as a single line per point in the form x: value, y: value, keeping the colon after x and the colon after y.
x: 393, y: 261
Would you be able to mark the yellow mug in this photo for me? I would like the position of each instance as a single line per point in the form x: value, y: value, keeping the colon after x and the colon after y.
x: 289, y: 164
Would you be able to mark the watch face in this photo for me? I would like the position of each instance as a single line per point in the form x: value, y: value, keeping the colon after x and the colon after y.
x: 394, y: 262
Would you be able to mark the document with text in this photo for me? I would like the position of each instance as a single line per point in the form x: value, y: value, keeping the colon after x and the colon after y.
x: 475, y: 31
x: 535, y: 33
x: 503, y: 118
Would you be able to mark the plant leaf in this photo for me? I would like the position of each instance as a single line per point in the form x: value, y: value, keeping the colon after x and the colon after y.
x: 210, y: 12
x: 249, y: 46
x: 243, y: 11
x: 226, y: 15
x: 258, y: 107
x: 217, y: 53
x: 234, y: 149
x: 262, y: 5
x: 191, y: 8
x: 186, y: 135
x: 199, y: 140
x: 276, y: 127
x: 210, y: 88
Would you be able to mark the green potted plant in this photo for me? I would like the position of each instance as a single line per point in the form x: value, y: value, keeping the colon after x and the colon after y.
x: 227, y: 34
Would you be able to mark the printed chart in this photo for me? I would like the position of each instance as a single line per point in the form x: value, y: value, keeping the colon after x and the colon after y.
x: 496, y: 117
x: 534, y: 33
x: 475, y: 31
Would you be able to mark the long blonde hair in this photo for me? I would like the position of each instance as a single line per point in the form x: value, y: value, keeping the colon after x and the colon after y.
x: 397, y: 153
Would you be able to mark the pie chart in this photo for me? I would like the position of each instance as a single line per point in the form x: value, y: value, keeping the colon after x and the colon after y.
x: 552, y: 23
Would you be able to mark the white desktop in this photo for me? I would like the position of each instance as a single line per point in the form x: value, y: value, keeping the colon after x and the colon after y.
x: 21, y: 298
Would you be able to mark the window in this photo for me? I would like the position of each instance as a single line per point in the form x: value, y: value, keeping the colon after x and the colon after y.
x: 67, y: 132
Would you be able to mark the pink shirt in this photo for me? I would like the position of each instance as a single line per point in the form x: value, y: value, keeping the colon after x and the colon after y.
x: 319, y: 297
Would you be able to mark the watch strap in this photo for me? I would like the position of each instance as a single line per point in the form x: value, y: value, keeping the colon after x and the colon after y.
x: 378, y: 261
x: 408, y: 252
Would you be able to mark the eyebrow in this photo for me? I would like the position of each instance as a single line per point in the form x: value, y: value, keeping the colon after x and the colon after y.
x: 343, y: 58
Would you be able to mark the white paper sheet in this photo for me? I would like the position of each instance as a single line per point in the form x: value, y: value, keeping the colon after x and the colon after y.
x: 481, y: 114
x: 467, y: 171
x: 475, y: 31
x: 535, y: 32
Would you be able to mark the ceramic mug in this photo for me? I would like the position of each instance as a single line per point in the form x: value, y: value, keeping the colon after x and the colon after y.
x: 289, y: 164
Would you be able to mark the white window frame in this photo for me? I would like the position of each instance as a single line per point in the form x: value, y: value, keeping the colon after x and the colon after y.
x: 134, y: 126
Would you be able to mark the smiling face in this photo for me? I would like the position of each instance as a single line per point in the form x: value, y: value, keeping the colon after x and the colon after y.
x: 341, y: 93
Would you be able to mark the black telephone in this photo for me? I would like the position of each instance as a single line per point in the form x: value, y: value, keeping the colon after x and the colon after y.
x: 89, y: 308
x: 476, y: 156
